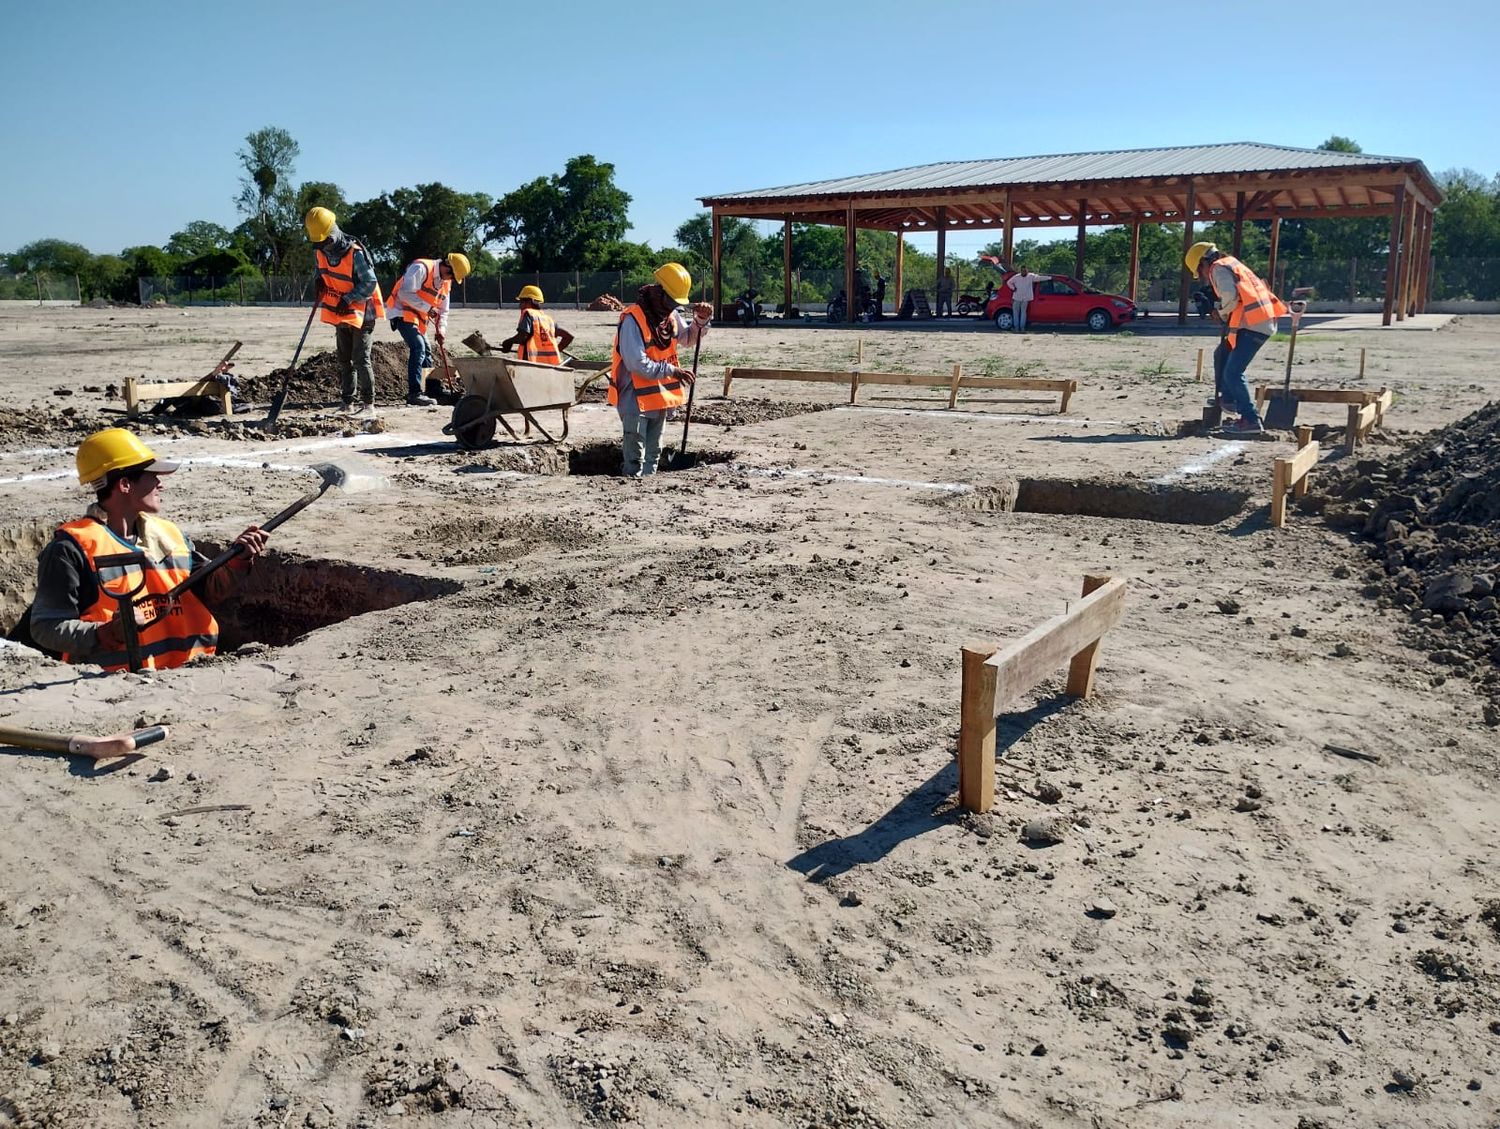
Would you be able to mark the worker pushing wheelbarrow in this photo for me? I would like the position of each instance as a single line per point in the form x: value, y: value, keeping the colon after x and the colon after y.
x: 495, y: 387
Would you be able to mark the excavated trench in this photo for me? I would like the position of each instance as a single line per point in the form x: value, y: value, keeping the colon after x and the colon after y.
x: 1126, y: 501
x: 283, y: 598
x: 593, y: 458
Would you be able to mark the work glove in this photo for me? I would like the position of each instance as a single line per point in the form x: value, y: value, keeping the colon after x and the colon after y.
x: 110, y: 635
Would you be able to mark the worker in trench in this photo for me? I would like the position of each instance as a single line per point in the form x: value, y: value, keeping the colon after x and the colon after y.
x: 420, y: 298
x: 537, y: 335
x: 645, y: 380
x: 1251, y: 312
x: 73, y: 613
x: 349, y: 300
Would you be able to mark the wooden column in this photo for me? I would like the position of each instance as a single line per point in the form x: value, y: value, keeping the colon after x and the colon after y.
x: 1424, y: 287
x: 1078, y: 244
x: 1393, y: 254
x: 942, y: 248
x: 1135, y: 257
x: 786, y: 266
x: 1007, y: 248
x: 900, y: 268
x: 1275, y: 248
x: 1239, y: 223
x: 1408, y: 225
x: 1186, y: 285
x: 851, y: 300
x: 718, y: 264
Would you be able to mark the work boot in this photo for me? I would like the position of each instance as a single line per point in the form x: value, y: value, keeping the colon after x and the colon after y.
x: 346, y: 406
x: 420, y: 401
x: 366, y: 411
x: 1242, y: 426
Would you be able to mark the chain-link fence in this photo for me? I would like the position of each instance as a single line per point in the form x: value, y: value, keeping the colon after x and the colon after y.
x: 38, y: 286
x: 1341, y: 280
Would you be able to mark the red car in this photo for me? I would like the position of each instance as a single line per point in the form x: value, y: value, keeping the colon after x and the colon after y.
x: 1065, y: 301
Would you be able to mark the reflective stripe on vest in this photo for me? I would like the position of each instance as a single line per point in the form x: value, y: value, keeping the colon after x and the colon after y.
x: 185, y: 633
x: 541, y: 346
x: 338, y: 281
x: 1256, y: 304
x: 650, y: 395
x: 417, y: 308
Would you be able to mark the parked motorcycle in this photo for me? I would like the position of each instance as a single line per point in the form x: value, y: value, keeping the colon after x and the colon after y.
x: 970, y: 304
x: 747, y: 310
x: 838, y: 308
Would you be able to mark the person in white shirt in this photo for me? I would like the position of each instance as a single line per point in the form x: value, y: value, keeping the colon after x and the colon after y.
x: 1022, y: 291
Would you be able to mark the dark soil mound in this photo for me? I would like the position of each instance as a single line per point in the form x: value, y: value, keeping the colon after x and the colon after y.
x: 316, y: 380
x: 1431, y: 515
x: 737, y: 413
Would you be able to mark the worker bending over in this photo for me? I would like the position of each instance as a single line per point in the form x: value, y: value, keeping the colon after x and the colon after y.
x: 419, y: 297
x: 1247, y: 306
x: 349, y: 300
x: 74, y: 615
x: 645, y: 380
x: 537, y: 334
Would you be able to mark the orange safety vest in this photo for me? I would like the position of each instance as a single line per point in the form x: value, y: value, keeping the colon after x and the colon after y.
x: 1256, y: 306
x: 650, y: 395
x: 339, y: 280
x: 541, y: 346
x: 186, y: 632
x: 417, y: 308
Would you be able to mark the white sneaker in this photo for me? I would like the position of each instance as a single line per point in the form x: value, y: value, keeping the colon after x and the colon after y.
x: 366, y: 411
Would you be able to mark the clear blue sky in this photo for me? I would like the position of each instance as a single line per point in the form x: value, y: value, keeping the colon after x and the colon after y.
x: 120, y: 121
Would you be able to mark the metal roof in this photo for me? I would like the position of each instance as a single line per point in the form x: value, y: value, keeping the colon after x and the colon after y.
x: 1228, y: 158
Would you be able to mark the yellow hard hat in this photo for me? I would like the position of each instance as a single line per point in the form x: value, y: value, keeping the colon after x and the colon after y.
x: 1195, y: 255
x: 532, y: 292
x: 114, y: 448
x: 460, y: 265
x: 319, y: 224
x: 676, y: 281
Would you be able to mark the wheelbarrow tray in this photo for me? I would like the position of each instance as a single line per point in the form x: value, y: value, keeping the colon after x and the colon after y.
x: 496, y: 386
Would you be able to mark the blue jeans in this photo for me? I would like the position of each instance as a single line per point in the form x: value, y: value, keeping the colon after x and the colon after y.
x: 1229, y: 371
x: 419, y: 357
x: 640, y: 437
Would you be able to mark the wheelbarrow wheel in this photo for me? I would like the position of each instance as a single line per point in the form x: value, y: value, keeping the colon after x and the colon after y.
x: 469, y: 426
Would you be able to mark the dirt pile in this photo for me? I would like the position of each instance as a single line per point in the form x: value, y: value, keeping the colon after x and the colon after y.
x: 737, y: 413
x: 316, y: 380
x: 1432, y: 517
x: 606, y: 302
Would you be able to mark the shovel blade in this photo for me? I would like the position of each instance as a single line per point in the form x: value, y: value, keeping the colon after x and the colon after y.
x: 1281, y: 411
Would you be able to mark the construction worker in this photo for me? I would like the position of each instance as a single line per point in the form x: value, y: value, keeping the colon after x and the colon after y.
x: 537, y: 335
x: 73, y: 613
x: 420, y: 296
x: 645, y: 380
x: 1251, y: 312
x: 349, y: 300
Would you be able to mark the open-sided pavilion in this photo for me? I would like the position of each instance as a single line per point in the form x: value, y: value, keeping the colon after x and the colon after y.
x: 1237, y: 181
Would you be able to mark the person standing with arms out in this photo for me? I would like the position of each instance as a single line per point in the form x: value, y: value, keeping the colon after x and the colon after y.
x: 420, y: 296
x: 73, y: 613
x: 1247, y: 306
x: 349, y: 300
x: 537, y: 335
x: 1022, y: 291
x: 645, y: 380
x: 945, y: 294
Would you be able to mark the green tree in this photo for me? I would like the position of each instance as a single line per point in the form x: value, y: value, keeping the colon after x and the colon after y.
x: 266, y: 195
x: 1466, y: 236
x: 562, y: 222
x: 199, y: 237
x: 52, y: 257
x: 428, y: 221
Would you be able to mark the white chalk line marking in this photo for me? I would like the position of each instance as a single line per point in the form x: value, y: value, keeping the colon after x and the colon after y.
x: 862, y: 479
x: 1198, y: 466
x: 246, y: 458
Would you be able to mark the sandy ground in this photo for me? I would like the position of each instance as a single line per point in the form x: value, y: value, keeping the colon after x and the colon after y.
x: 646, y: 812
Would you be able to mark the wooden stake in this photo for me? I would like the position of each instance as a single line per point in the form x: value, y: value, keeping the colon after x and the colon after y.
x: 1199, y: 372
x: 976, y: 734
x: 1361, y: 363
x: 728, y: 378
x: 1081, y: 669
x: 958, y: 375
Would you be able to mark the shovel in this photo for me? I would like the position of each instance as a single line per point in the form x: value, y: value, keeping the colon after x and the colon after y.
x: 1281, y: 412
x: 331, y: 475
x: 81, y: 744
x: 681, y: 460
x: 280, y: 398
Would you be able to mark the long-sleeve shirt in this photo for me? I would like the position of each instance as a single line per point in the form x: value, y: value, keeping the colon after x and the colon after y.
x: 364, y: 269
x: 1227, y: 290
x: 65, y: 585
x: 1023, y: 286
x: 412, y: 281
x: 633, y: 352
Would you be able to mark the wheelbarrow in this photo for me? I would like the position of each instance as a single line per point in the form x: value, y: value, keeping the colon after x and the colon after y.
x: 496, y: 386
